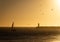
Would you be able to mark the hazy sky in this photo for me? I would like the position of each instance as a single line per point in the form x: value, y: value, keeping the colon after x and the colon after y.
x: 30, y: 12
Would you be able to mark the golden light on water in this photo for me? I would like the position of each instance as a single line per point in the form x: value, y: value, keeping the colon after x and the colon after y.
x: 57, y: 39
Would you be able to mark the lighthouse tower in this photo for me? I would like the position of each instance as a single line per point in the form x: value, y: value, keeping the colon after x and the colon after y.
x: 38, y: 25
x: 12, y: 25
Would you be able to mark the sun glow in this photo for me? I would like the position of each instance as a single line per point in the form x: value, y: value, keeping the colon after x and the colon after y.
x: 57, y: 3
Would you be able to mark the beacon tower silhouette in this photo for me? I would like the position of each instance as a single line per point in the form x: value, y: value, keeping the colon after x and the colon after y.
x: 12, y: 28
x: 12, y: 25
x: 38, y: 25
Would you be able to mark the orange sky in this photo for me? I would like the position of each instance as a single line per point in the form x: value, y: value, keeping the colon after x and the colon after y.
x: 30, y: 12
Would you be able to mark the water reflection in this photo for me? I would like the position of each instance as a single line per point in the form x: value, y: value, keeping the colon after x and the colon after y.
x: 57, y: 39
x: 49, y: 38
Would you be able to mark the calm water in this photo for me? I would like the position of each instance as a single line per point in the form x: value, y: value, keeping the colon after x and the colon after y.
x: 48, y: 36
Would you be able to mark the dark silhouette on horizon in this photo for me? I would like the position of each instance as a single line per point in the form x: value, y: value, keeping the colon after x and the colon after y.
x: 12, y: 28
x: 38, y: 25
